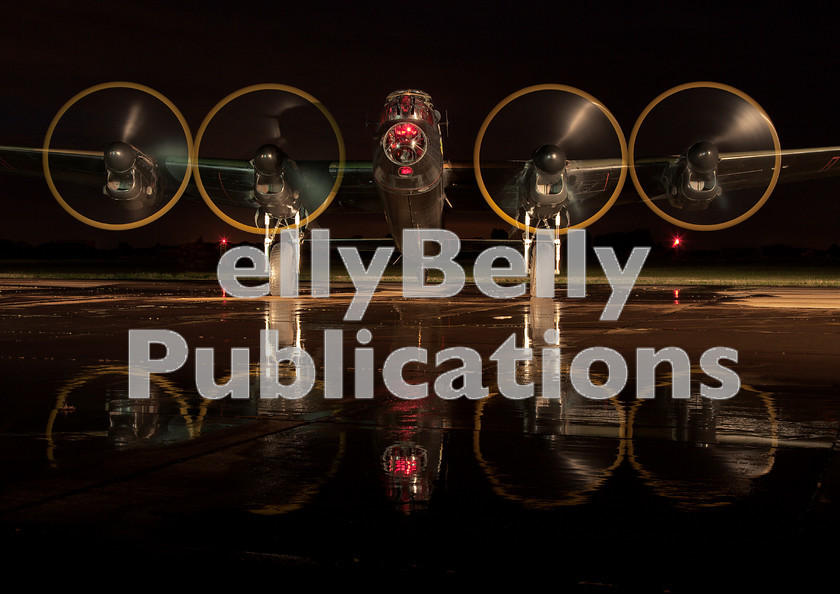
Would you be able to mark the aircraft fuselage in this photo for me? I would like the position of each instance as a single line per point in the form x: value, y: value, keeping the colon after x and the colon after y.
x: 408, y: 163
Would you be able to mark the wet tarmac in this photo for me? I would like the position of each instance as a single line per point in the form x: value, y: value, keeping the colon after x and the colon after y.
x: 663, y: 494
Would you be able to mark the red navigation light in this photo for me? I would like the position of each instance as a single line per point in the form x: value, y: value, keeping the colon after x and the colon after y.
x: 224, y: 241
x: 406, y: 171
x: 677, y: 242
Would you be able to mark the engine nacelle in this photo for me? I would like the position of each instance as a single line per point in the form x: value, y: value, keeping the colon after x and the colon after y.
x: 131, y: 176
x: 692, y: 182
x: 544, y: 192
x: 547, y: 186
x: 276, y: 182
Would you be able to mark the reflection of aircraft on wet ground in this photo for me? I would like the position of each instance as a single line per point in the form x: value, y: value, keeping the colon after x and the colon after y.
x: 550, y: 188
x: 411, y: 447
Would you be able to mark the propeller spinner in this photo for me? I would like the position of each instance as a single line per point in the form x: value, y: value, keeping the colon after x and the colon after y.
x: 550, y: 159
x: 702, y: 157
x: 120, y: 157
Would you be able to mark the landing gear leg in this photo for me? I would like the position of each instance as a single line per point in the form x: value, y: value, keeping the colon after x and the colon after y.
x: 532, y: 271
x: 532, y: 247
x: 527, y: 239
x: 269, y: 237
x: 283, y: 259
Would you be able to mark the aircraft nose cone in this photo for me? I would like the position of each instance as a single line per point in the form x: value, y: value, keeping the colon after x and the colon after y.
x: 703, y: 157
x: 550, y: 159
x: 268, y: 159
x: 119, y: 157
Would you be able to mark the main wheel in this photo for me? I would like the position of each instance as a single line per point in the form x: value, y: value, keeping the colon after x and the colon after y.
x: 280, y: 262
x: 532, y: 269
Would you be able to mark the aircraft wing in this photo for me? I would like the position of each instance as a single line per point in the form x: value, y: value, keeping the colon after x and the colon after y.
x: 84, y: 167
x: 592, y: 181
x: 742, y: 170
x: 231, y: 182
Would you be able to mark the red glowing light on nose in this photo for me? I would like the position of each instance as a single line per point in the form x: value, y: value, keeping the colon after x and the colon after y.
x: 224, y: 240
x: 404, y: 467
x: 677, y: 242
x: 404, y: 171
x: 406, y: 130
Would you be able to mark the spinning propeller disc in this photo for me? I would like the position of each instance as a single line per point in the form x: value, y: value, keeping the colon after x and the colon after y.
x: 549, y: 114
x: 117, y: 111
x: 724, y: 118
x: 269, y: 114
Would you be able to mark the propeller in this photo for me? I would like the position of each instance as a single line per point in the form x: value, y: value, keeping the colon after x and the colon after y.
x: 689, y: 147
x: 118, y: 155
x: 546, y: 131
x: 267, y: 149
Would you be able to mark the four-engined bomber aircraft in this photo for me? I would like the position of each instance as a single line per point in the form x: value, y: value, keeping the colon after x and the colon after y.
x: 411, y: 176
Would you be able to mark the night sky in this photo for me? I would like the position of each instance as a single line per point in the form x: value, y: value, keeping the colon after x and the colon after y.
x: 467, y: 55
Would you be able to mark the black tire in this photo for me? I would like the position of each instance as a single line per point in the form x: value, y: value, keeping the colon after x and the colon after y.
x: 532, y: 269
x: 279, y: 261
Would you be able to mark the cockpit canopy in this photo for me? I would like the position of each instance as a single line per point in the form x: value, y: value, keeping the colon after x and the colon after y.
x: 409, y: 104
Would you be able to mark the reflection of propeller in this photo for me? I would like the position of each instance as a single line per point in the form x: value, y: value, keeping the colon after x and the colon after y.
x: 695, y: 141
x: 570, y: 472
x: 144, y: 145
x: 266, y: 150
x: 738, y: 446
